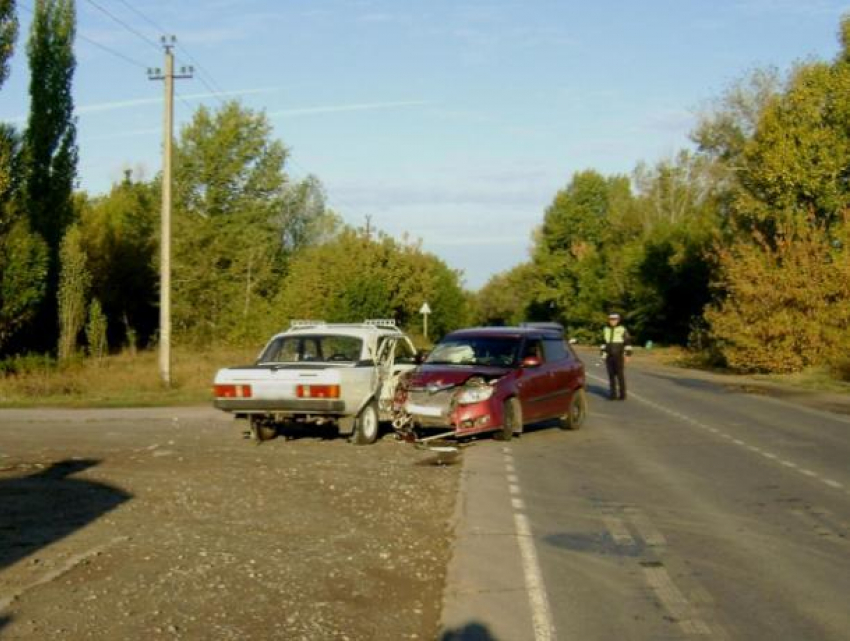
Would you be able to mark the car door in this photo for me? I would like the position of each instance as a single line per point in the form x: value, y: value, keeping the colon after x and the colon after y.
x: 563, y: 368
x: 534, y: 385
x: 395, y: 357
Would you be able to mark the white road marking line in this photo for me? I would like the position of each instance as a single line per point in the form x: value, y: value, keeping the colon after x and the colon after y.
x: 830, y: 483
x: 674, y: 601
x: 517, y: 503
x: 541, y: 615
x: 514, y: 489
x: 651, y: 535
x: 618, y: 530
x: 512, y: 478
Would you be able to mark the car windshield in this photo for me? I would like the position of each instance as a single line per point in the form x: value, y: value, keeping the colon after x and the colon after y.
x: 476, y: 350
x: 312, y: 349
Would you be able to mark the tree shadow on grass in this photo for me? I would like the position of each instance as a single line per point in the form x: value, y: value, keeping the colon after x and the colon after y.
x: 41, y: 508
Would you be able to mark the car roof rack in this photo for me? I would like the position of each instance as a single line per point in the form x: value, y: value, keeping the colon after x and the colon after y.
x: 306, y: 323
x: 380, y: 322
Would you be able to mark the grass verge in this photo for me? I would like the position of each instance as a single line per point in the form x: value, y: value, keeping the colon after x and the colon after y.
x: 122, y: 380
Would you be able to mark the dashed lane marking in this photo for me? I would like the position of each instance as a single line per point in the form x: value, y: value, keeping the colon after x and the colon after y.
x: 618, y: 531
x: 675, y: 602
x: 651, y: 535
x: 768, y: 455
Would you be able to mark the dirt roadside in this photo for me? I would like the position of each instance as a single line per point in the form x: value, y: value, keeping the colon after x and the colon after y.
x: 138, y: 524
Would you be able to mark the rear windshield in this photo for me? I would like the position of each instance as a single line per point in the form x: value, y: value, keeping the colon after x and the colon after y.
x: 312, y: 349
x: 476, y: 350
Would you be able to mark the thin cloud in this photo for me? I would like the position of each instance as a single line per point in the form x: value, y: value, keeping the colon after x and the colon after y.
x: 326, y: 109
x: 140, y: 102
x: 130, y: 133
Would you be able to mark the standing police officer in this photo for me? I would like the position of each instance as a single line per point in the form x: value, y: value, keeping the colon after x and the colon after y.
x: 616, y: 347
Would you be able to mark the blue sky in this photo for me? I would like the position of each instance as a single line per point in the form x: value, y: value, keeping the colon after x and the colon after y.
x: 454, y: 122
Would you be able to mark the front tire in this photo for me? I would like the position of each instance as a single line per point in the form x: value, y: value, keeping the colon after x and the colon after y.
x: 511, y: 420
x: 366, y: 426
x: 577, y: 411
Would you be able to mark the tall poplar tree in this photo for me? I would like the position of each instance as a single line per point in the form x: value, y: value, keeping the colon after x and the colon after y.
x: 23, y: 258
x: 50, y: 145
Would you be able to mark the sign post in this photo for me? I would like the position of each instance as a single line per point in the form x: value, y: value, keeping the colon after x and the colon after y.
x: 425, y: 310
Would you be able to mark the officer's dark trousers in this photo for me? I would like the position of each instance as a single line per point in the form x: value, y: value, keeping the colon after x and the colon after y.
x: 616, y: 365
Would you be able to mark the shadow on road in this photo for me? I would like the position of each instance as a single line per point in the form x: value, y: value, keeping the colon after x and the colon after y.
x: 595, y: 389
x: 39, y: 509
x: 469, y: 632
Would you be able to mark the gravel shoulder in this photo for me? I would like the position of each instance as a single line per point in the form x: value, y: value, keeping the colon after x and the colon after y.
x: 168, y: 524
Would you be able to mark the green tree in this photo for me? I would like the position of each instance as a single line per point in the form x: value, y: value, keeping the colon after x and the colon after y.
x: 119, y: 236
x: 23, y: 256
x: 96, y: 328
x: 23, y: 271
x: 50, y: 149
x: 506, y: 299
x: 8, y: 36
x: 238, y: 217
x: 578, y: 281
x: 353, y: 277
x: 74, y: 285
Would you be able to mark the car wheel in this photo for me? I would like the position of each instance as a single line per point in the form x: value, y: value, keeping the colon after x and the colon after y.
x: 576, y: 412
x: 511, y: 420
x: 366, y: 426
x: 261, y: 430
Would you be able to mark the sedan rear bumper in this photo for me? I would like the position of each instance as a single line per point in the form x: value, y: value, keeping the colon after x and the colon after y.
x: 257, y: 406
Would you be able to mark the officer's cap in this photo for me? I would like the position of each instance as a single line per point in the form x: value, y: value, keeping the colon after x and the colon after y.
x: 613, y: 317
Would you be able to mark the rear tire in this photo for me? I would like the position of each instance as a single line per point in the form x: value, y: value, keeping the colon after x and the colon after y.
x: 261, y: 430
x: 366, y: 426
x: 577, y: 411
x: 511, y: 420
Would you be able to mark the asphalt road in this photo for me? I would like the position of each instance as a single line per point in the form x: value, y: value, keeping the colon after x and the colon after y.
x: 689, y: 511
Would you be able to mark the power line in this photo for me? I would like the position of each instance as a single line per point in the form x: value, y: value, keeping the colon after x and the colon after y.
x: 126, y: 26
x: 97, y: 44
x: 212, y: 85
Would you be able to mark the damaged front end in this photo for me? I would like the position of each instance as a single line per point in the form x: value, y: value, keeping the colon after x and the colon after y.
x: 435, y: 410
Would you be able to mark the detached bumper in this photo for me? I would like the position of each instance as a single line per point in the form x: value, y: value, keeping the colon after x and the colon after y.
x: 258, y: 406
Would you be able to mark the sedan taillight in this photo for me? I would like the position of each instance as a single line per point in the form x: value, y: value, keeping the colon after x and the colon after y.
x: 317, y: 391
x: 232, y: 391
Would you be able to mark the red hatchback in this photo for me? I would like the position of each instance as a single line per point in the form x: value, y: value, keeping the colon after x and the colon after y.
x: 492, y: 379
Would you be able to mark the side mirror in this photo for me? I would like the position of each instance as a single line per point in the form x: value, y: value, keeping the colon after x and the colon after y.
x: 531, y: 361
x: 421, y: 355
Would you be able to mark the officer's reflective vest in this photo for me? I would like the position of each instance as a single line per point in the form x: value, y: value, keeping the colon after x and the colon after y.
x: 615, y: 341
x: 614, y: 334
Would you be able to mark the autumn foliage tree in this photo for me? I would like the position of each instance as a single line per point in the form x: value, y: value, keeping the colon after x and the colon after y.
x: 786, y: 303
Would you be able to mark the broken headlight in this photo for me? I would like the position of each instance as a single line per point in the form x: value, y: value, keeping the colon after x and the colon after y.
x: 472, y: 395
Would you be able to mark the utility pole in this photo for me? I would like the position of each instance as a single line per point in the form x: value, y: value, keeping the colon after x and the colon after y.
x: 168, y: 43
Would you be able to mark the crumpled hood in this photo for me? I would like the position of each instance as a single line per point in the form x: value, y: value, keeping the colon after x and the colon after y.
x: 445, y: 376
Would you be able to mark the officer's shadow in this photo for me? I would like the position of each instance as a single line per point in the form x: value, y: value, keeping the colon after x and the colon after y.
x: 39, y: 509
